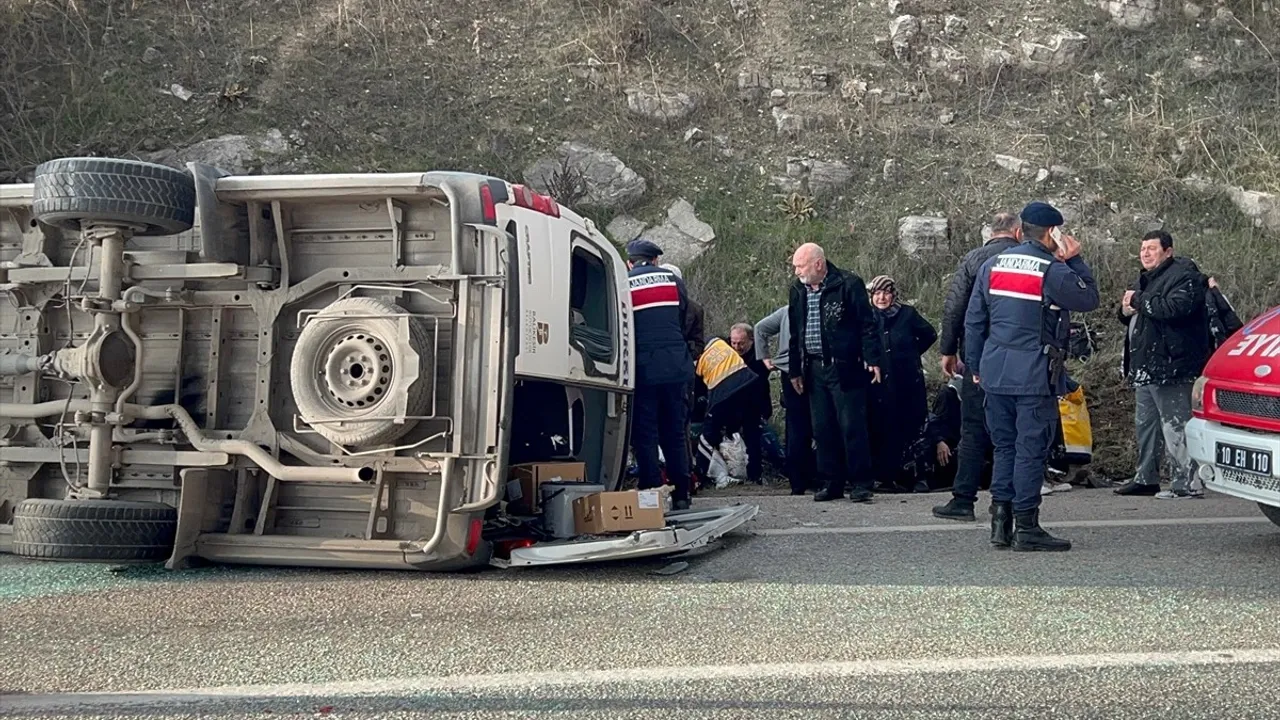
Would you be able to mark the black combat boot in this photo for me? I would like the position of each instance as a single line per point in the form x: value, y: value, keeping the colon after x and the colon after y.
x: 1001, y: 524
x: 955, y: 509
x: 1030, y: 537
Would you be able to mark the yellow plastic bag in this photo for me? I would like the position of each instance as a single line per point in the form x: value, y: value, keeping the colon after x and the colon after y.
x: 1077, y: 432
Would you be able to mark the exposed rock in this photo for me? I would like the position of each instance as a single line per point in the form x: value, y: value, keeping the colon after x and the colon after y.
x: 903, y: 31
x: 677, y: 248
x: 150, y: 144
x: 1263, y: 207
x: 948, y: 60
x: 1132, y: 14
x: 790, y: 123
x: 887, y: 97
x: 660, y: 105
x: 609, y: 182
x: 954, y: 25
x: 1199, y: 66
x: 786, y: 185
x: 828, y: 178
x: 1061, y: 51
x: 1061, y: 172
x: 890, y: 171
x: 624, y: 228
x: 684, y: 218
x: 1223, y: 17
x: 1073, y: 209
x: 816, y: 178
x: 751, y: 84
x: 693, y: 136
x: 151, y: 56
x: 1042, y: 175
x: 947, y: 117
x: 993, y: 58
x: 683, y: 237
x: 923, y: 233
x: 237, y: 154
x: 778, y: 97
x: 179, y: 92
x: 1192, y: 11
x: 1015, y: 164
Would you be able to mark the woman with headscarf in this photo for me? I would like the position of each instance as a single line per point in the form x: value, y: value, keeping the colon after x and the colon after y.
x: 898, y: 405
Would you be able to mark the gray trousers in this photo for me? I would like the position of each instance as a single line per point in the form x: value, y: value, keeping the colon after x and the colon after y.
x: 1161, y: 414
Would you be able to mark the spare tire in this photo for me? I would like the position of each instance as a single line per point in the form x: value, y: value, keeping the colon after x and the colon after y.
x: 71, y: 193
x: 351, y: 364
x: 93, y: 530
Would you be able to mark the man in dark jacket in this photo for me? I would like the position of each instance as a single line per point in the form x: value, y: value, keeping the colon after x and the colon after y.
x: 975, y: 443
x: 1165, y: 349
x: 835, y: 354
x: 1017, y: 330
x: 663, y: 370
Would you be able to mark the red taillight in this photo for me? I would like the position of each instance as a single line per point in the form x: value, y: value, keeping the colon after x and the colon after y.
x: 487, y: 207
x: 523, y: 197
x: 473, y: 535
x: 547, y: 205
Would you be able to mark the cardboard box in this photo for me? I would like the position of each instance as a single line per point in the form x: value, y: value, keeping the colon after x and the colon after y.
x: 523, y: 493
x: 611, y: 512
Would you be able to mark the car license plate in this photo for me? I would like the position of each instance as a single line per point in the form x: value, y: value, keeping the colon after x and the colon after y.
x: 1246, y: 459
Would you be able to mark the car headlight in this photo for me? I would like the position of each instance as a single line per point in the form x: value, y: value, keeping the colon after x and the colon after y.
x: 1197, y: 394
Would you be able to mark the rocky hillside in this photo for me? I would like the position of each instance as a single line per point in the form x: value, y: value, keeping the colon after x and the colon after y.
x: 731, y: 130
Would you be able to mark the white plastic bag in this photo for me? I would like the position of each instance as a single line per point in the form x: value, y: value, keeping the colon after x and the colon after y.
x: 729, y: 463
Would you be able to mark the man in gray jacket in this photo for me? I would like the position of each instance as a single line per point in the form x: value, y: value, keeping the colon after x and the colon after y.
x: 801, y: 462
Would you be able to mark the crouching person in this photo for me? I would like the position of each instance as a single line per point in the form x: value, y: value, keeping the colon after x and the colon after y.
x: 732, y: 404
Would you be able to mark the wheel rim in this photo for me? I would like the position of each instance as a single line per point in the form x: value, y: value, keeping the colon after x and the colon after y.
x: 356, y: 372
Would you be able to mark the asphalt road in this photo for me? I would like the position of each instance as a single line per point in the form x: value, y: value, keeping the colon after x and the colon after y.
x: 1163, y: 609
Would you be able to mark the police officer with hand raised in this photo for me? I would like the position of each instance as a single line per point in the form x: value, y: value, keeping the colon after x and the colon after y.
x: 1017, y: 329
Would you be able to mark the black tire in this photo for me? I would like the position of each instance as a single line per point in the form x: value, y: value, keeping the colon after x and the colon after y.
x: 72, y: 192
x: 93, y: 530
x: 1271, y: 511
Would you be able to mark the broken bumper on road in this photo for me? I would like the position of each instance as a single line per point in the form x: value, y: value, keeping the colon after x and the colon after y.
x: 686, y: 530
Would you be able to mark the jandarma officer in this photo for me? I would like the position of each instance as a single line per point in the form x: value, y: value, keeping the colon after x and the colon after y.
x: 664, y: 370
x: 1016, y: 335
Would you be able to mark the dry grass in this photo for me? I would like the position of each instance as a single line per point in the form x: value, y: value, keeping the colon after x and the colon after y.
x: 488, y: 85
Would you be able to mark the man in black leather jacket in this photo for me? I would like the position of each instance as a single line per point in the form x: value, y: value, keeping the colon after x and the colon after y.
x: 975, y: 444
x: 1167, y: 344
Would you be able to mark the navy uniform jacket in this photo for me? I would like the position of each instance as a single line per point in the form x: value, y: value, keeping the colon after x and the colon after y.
x: 1021, y: 303
x: 660, y: 307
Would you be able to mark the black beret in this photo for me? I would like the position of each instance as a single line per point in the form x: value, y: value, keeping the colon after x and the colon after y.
x: 1041, y: 215
x: 643, y: 248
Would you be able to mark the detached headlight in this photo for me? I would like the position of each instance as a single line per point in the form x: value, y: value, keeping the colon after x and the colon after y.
x: 1197, y: 394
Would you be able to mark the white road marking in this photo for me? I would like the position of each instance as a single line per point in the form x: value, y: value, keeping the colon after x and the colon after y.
x: 985, y: 525
x: 528, y: 681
